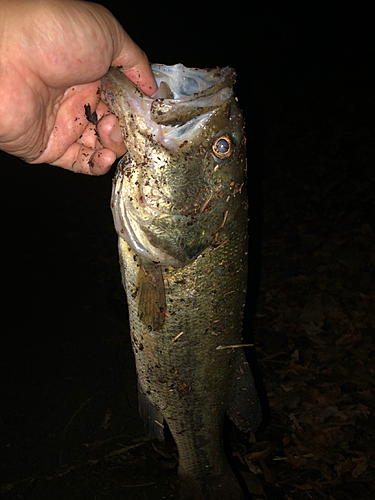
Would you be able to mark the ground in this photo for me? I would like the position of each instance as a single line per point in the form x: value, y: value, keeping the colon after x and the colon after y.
x: 69, y: 419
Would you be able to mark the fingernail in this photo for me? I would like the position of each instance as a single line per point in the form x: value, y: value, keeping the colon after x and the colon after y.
x: 115, y: 134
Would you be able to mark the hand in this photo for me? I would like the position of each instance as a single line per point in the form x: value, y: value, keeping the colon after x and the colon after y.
x: 53, y: 54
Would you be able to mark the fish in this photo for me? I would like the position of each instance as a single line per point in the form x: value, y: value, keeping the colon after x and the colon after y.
x: 180, y: 209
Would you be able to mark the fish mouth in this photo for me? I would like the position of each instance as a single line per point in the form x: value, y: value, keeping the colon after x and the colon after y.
x: 185, y: 99
x: 187, y: 84
x: 186, y: 93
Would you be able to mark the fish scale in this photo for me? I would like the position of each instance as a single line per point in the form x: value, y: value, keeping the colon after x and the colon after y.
x: 185, y: 278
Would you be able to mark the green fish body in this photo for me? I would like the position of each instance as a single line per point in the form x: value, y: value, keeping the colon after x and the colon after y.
x: 180, y: 208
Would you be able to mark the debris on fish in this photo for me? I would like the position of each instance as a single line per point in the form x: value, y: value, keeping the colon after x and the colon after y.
x: 180, y: 209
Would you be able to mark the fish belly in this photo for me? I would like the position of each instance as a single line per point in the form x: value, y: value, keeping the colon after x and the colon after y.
x: 191, y: 370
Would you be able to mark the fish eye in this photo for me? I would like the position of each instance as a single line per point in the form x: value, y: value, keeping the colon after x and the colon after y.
x: 222, y: 147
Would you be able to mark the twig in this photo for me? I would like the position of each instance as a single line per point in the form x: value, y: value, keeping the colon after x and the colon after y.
x: 233, y: 346
x: 68, y: 424
x: 123, y: 450
x: 176, y: 337
x: 135, y: 485
x: 206, y: 203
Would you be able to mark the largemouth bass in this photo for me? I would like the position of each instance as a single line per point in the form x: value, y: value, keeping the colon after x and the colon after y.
x: 180, y: 209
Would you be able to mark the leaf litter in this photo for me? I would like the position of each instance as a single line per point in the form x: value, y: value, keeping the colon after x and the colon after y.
x: 315, y: 316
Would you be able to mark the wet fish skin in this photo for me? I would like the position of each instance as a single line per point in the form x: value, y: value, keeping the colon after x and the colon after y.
x: 184, y: 268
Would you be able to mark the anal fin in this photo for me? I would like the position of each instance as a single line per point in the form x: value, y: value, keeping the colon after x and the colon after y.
x: 152, y: 418
x: 244, y: 406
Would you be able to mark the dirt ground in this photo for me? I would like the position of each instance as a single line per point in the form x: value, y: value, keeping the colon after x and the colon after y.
x: 69, y: 422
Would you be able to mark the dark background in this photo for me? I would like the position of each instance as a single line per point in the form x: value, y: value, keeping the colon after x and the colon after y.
x: 65, y: 353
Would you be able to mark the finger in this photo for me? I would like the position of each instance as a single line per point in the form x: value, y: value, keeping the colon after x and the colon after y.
x: 102, y: 161
x: 134, y: 64
x: 71, y: 121
x: 110, y: 135
x: 107, y: 133
x: 83, y: 160
x: 142, y: 77
x: 89, y: 136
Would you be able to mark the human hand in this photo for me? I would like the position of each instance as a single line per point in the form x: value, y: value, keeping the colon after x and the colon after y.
x: 53, y: 54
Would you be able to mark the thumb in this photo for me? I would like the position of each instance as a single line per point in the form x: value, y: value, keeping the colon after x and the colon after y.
x: 133, y: 62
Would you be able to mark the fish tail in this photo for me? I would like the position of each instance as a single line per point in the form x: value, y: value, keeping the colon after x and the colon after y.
x: 224, y: 488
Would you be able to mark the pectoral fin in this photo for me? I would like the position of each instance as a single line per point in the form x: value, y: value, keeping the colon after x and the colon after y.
x: 151, y: 295
x: 244, y: 407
